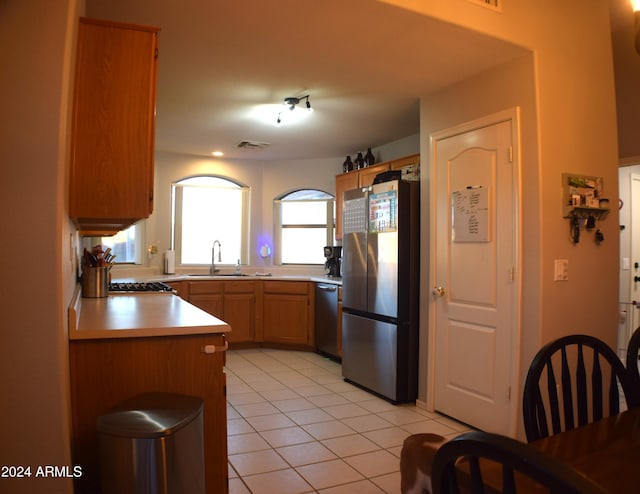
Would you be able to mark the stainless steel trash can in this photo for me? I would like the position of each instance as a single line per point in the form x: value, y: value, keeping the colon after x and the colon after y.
x: 153, y: 444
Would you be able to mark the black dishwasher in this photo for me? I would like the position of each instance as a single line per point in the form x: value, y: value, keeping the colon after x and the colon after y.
x: 326, y: 323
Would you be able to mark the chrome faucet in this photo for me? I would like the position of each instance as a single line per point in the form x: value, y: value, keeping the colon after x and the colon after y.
x: 212, y: 269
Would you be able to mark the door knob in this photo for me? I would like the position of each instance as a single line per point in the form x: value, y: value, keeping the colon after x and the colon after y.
x: 438, y: 291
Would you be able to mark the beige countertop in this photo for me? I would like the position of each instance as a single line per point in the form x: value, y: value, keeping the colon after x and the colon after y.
x: 200, y: 273
x: 131, y: 315
x: 187, y: 277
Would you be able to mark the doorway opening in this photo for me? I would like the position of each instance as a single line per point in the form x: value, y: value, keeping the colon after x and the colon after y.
x: 629, y: 280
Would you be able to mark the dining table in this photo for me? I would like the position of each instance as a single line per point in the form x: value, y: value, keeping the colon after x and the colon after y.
x: 606, y: 451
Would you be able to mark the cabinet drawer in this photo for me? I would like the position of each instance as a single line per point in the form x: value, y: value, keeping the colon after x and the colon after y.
x: 238, y: 286
x: 293, y: 287
x: 196, y: 287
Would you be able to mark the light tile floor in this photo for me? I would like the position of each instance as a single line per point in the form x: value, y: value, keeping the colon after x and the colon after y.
x: 295, y: 426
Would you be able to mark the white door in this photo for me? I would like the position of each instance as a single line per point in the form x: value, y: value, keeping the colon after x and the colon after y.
x: 475, y: 295
x: 634, y: 226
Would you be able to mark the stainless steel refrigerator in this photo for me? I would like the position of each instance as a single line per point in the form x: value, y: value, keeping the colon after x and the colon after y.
x: 380, y: 294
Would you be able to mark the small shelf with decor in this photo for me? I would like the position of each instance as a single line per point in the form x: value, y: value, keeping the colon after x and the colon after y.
x: 583, y: 196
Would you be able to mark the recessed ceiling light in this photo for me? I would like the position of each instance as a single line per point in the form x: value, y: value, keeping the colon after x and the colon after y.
x: 217, y: 153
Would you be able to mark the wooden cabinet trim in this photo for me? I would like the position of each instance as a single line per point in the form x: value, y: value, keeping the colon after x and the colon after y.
x: 399, y: 163
x: 240, y: 286
x: 205, y: 286
x: 290, y: 287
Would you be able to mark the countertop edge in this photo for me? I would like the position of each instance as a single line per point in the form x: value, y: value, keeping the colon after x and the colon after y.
x: 104, y: 334
x: 146, y: 315
x: 167, y: 278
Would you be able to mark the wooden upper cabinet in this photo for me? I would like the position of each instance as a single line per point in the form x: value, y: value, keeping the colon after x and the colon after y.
x: 368, y: 174
x: 113, y: 129
x: 363, y: 178
x: 400, y: 163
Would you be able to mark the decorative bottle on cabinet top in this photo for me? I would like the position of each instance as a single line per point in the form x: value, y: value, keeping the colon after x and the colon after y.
x: 359, y: 161
x: 347, y: 166
x: 369, y: 158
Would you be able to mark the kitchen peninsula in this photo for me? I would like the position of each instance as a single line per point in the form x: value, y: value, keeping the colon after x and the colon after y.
x: 127, y: 344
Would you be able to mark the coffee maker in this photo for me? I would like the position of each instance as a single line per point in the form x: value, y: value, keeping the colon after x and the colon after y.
x: 333, y: 254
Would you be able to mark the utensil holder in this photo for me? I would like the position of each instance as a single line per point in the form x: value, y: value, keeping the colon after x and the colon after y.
x: 95, y: 282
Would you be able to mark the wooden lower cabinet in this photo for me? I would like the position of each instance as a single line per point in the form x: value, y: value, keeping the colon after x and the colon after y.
x: 288, y: 313
x: 208, y: 295
x: 240, y: 310
x: 107, y: 372
x: 279, y: 312
x: 232, y: 301
x: 180, y: 287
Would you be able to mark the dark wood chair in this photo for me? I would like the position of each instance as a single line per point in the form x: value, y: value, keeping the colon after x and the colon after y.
x: 632, y: 361
x: 581, y: 386
x: 451, y: 476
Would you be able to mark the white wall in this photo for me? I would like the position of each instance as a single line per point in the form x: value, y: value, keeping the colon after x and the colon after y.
x: 575, y: 123
x: 569, y: 121
x: 267, y: 180
x: 36, y: 259
x: 507, y: 86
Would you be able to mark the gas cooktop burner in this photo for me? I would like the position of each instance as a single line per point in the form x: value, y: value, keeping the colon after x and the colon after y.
x: 134, y: 286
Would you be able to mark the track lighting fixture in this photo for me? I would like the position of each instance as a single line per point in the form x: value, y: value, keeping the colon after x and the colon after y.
x: 292, y: 103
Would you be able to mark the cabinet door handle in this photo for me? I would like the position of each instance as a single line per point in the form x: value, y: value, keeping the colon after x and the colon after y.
x: 209, y: 349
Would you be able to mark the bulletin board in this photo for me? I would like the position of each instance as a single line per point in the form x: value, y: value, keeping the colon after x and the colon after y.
x: 470, y: 215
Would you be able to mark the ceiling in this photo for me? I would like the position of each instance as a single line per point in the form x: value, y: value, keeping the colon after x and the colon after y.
x: 364, y: 65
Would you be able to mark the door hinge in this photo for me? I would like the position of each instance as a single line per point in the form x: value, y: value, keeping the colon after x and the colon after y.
x: 508, y: 394
x: 510, y: 154
x: 512, y: 274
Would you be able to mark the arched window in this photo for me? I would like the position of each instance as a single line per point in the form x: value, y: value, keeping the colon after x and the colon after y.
x: 304, y: 222
x: 205, y: 209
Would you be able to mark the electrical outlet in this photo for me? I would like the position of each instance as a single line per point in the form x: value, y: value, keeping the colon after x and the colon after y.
x: 561, y: 270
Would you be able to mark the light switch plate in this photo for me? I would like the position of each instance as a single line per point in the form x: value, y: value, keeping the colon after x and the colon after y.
x: 561, y: 270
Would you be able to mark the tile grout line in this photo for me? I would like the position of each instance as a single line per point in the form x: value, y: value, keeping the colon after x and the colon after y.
x: 242, y: 364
